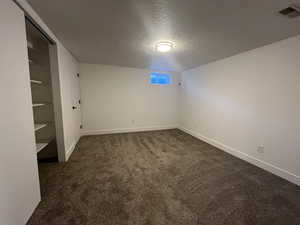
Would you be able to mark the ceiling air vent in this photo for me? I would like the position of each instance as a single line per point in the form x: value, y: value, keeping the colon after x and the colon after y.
x: 291, y: 11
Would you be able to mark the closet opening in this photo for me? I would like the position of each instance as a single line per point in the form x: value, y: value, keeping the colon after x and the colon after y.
x: 45, y: 91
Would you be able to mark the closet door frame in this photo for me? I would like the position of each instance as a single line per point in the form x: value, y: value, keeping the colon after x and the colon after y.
x: 57, y: 103
x: 56, y: 89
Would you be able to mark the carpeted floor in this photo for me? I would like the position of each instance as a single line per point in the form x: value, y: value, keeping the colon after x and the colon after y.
x: 161, y: 177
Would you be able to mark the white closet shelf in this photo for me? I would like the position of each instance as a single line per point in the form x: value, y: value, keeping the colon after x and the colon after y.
x: 38, y: 126
x: 30, y: 45
x: 40, y: 146
x: 38, y: 104
x: 36, y: 82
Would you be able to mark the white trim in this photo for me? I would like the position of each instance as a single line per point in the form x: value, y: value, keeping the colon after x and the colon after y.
x: 71, y: 149
x: 127, y: 130
x: 262, y: 164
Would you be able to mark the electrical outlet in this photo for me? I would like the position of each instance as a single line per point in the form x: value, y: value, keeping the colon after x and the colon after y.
x: 261, y: 149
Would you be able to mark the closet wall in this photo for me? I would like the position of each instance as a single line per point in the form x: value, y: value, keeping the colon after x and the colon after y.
x: 41, y: 89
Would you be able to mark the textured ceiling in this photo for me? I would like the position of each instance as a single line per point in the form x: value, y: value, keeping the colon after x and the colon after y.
x: 122, y: 32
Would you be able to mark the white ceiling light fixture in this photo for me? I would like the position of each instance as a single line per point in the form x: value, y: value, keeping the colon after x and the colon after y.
x: 164, y: 46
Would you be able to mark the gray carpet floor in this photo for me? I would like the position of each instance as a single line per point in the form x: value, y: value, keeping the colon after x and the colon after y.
x: 160, y: 177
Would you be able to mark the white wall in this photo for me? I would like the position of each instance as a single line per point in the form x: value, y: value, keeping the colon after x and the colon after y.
x: 70, y: 91
x: 248, y: 100
x: 19, y: 182
x: 116, y: 99
x: 68, y: 69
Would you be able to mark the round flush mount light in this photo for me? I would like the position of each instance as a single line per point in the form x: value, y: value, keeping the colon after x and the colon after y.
x: 164, y: 46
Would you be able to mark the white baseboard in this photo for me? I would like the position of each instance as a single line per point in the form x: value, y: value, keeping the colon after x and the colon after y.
x: 127, y: 130
x: 262, y: 164
x: 71, y: 149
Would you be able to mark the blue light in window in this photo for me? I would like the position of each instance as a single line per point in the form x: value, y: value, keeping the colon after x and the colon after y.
x: 160, y: 78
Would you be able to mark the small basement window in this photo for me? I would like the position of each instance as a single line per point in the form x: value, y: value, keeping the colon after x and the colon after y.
x: 160, y: 78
